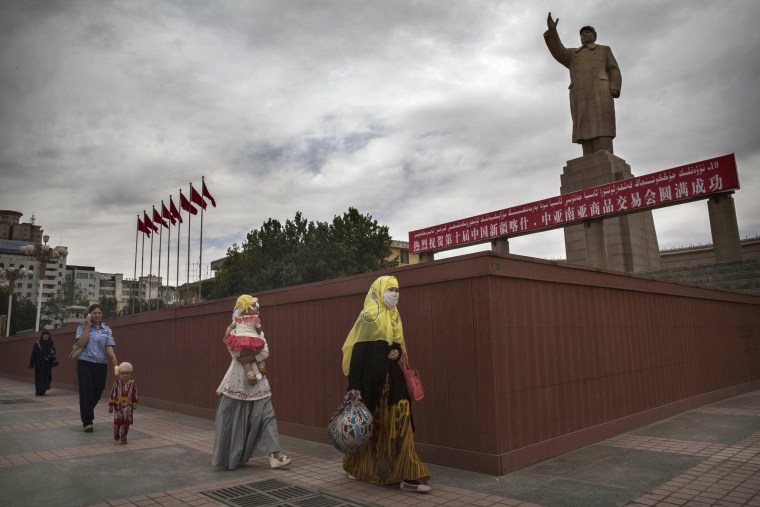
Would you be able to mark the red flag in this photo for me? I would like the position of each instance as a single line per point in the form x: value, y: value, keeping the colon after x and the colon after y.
x: 148, y: 223
x: 173, y: 210
x: 207, y: 194
x: 142, y: 228
x: 185, y: 204
x: 165, y: 213
x: 196, y: 197
x: 157, y: 218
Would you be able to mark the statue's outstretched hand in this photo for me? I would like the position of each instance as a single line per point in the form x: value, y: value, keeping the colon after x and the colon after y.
x: 551, y: 23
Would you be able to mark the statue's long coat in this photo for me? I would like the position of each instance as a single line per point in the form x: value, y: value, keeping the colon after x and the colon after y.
x: 593, y: 71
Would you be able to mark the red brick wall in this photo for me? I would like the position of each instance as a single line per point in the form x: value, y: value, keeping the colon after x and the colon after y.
x: 521, y: 359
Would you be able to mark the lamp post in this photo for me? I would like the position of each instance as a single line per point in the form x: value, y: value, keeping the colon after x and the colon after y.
x: 11, y: 274
x: 43, y: 254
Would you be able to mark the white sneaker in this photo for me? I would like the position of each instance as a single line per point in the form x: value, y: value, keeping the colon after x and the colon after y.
x: 418, y: 488
x: 279, y: 462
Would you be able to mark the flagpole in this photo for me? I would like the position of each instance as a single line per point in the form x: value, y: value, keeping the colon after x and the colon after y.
x: 135, y: 272
x: 200, y: 259
x: 179, y: 235
x: 168, y: 248
x: 205, y: 194
x: 150, y: 273
x: 160, y: 241
x: 189, y: 218
x: 142, y: 268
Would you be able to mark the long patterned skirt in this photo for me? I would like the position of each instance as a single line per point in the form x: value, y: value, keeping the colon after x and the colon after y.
x: 389, y: 456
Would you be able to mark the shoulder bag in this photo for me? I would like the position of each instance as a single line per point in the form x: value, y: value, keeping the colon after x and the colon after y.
x: 413, y: 380
x: 76, y: 351
x: 50, y: 358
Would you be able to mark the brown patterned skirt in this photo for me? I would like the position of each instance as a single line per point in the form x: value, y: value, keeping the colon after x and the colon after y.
x: 389, y: 456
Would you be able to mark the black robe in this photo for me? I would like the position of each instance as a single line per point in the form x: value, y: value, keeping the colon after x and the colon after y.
x: 369, y: 367
x: 43, y: 373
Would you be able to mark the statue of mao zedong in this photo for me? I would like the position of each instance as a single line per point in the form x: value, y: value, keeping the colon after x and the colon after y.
x: 595, y: 82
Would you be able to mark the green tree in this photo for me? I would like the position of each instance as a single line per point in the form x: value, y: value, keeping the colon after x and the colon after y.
x: 68, y: 294
x: 301, y: 251
x: 146, y: 305
x: 23, y: 314
x: 128, y: 304
x: 108, y: 305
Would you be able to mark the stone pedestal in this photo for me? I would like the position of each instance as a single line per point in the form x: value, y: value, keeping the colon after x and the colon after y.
x: 500, y: 245
x: 623, y: 243
x: 724, y: 228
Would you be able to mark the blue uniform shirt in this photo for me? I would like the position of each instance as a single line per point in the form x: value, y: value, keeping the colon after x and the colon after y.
x: 95, y: 351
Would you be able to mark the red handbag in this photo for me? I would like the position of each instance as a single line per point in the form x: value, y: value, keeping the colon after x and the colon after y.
x: 413, y: 380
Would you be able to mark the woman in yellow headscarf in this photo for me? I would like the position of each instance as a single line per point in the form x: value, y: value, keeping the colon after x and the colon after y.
x: 371, y: 355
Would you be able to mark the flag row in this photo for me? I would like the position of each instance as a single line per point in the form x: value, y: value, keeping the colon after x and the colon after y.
x: 147, y: 226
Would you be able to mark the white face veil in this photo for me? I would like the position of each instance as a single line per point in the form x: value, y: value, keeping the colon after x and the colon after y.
x: 377, y: 321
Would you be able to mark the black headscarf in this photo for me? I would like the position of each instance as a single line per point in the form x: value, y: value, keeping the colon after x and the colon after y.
x: 46, y: 345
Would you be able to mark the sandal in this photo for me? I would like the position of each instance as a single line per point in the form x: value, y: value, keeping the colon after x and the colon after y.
x: 282, y: 461
x: 415, y: 486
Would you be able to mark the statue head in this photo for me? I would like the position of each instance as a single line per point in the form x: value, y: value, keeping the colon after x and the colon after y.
x: 588, y: 35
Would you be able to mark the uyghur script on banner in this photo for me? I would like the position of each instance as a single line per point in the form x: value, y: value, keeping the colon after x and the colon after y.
x: 689, y: 182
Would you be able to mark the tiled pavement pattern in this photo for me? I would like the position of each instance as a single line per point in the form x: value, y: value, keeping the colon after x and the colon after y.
x: 707, y: 456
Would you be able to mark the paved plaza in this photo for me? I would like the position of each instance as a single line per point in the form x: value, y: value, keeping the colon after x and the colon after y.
x: 707, y: 456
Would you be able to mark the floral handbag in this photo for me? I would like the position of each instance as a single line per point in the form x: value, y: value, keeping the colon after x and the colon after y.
x: 413, y: 380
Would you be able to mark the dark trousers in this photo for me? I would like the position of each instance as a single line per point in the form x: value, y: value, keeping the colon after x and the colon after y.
x: 92, y: 381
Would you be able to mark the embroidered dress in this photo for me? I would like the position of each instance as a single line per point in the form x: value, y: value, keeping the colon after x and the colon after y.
x: 245, y: 336
x: 123, y: 399
x: 235, y: 384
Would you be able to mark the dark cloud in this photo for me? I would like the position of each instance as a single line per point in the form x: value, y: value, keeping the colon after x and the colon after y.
x: 415, y: 112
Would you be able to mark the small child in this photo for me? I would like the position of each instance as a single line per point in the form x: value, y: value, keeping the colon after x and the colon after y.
x: 245, y: 337
x: 123, y: 401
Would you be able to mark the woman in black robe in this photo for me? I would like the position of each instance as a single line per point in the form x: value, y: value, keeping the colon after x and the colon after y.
x: 43, y: 360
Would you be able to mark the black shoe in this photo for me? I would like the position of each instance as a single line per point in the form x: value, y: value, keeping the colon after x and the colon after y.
x: 88, y: 428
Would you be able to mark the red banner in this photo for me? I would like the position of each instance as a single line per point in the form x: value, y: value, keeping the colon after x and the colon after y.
x: 685, y: 183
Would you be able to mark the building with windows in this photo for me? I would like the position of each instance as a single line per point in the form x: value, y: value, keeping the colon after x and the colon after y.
x: 400, y: 249
x: 15, y: 234
x: 87, y: 279
x: 12, y: 228
x: 112, y: 286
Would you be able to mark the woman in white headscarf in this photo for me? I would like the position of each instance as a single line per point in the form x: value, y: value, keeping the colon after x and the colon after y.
x: 246, y: 425
x: 371, y: 355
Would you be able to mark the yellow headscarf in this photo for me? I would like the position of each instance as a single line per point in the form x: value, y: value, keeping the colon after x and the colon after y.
x: 244, y: 303
x: 376, y: 321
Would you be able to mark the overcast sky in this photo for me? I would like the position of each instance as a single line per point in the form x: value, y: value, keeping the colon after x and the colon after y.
x: 417, y: 113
